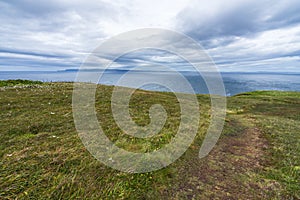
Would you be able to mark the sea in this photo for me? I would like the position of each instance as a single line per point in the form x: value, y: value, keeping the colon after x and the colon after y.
x: 234, y: 82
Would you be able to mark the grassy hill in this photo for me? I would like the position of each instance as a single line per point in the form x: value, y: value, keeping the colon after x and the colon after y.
x: 42, y: 157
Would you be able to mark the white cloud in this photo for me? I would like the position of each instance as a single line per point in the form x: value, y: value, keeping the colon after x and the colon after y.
x: 279, y: 44
x: 237, y: 33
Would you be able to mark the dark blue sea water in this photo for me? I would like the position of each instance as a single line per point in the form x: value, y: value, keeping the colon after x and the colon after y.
x: 234, y: 83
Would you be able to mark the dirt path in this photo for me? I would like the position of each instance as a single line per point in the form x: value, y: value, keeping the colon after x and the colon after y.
x: 228, y: 171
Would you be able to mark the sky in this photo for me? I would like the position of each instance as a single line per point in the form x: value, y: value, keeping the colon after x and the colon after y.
x: 239, y: 35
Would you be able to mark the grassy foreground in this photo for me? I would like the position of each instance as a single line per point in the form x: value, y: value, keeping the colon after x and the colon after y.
x: 42, y: 157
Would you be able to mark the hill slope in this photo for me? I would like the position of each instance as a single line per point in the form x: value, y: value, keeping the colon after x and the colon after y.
x: 42, y: 157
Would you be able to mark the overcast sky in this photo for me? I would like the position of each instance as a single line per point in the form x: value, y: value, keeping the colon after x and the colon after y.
x: 239, y: 35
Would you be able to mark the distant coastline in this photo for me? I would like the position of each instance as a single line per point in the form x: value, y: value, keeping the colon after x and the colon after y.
x: 154, y: 71
x: 234, y: 82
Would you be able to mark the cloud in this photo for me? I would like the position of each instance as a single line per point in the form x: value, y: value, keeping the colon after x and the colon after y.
x: 76, y: 27
x: 268, y: 45
x: 236, y: 17
x: 34, y: 61
x: 238, y: 34
x: 244, y: 34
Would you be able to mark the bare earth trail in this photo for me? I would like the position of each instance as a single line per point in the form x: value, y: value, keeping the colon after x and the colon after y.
x: 226, y: 171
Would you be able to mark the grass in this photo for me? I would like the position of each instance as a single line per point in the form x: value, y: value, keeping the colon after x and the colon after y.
x: 42, y: 156
x: 277, y: 114
x: 19, y: 82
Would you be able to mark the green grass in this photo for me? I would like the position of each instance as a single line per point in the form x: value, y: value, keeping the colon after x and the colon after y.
x: 42, y: 156
x: 278, y: 116
x: 19, y: 82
